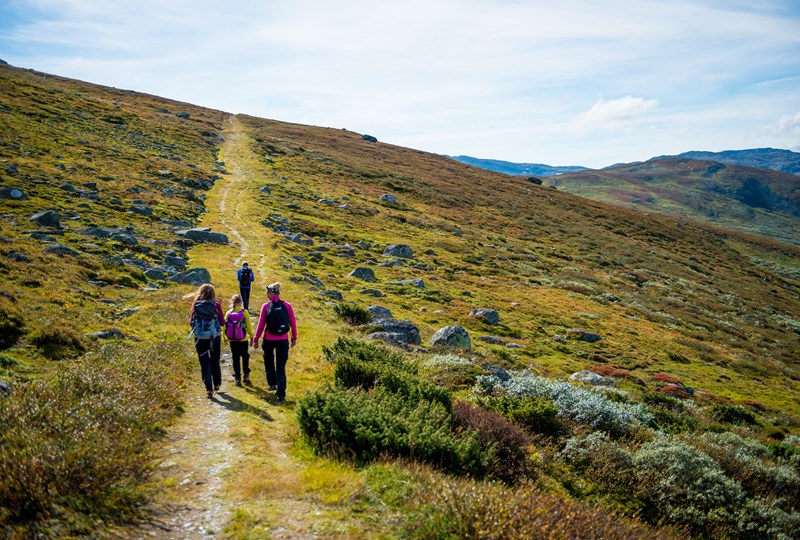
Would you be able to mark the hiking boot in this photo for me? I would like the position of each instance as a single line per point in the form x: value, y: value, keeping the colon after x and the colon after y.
x: 247, y: 381
x: 280, y: 399
x: 210, y: 394
x: 273, y: 387
x: 216, y: 388
x: 238, y: 382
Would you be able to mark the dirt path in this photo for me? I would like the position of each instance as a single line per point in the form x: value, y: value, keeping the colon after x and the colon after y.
x: 226, y: 469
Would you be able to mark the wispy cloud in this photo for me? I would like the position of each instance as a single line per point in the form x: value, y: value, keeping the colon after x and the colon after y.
x: 615, y: 113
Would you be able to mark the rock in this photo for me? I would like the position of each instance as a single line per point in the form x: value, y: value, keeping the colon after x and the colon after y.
x: 371, y: 292
x: 182, y: 114
x: 195, y: 276
x: 516, y: 346
x: 493, y: 340
x: 58, y: 249
x: 11, y: 170
x: 590, y: 378
x: 5, y: 388
x: 160, y: 273
x: 266, y: 190
x: 497, y: 371
x: 204, y: 235
x: 19, y: 257
x: 141, y: 209
x: 47, y: 218
x: 333, y: 295
x: 12, y: 194
x: 452, y: 336
x: 397, y: 332
x: 111, y: 333
x: 403, y: 251
x: 369, y: 138
x: 416, y: 282
x: 127, y: 239
x: 175, y: 262
x: 583, y: 335
x: 535, y: 180
x: 300, y: 238
x: 490, y: 316
x: 388, y: 198
x: 379, y: 312
x: 365, y: 274
x: 138, y: 263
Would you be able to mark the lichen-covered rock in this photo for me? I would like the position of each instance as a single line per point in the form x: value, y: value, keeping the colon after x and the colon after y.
x: 452, y: 336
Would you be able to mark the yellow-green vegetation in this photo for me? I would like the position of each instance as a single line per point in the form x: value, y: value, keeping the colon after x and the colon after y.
x: 695, y: 329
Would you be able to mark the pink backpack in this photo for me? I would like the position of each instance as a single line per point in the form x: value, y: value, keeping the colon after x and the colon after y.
x: 234, y: 326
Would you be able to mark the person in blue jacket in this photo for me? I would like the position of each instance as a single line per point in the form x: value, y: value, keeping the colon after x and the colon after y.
x: 245, y: 277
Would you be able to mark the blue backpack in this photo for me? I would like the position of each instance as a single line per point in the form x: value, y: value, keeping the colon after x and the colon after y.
x: 205, y: 324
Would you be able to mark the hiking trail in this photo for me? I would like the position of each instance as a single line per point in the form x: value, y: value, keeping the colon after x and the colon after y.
x: 226, y: 466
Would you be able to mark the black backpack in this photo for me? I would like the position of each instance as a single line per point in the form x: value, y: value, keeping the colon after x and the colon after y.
x: 245, y: 277
x: 277, y: 318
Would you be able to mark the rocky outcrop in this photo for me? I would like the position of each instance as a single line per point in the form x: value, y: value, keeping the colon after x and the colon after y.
x: 364, y: 274
x: 402, y: 333
x: 195, y: 276
x: 488, y: 315
x: 452, y: 336
x: 403, y: 251
x: 47, y: 218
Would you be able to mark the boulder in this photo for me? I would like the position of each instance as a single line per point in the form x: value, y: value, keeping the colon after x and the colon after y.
x: 47, y: 218
x: 403, y: 251
x: 12, y: 194
x: 333, y: 295
x: 493, y: 340
x: 160, y: 273
x: 141, y: 209
x: 489, y: 316
x: 369, y: 138
x: 497, y: 371
x: 300, y: 238
x: 58, y: 249
x: 416, y: 282
x: 452, y: 336
x: 127, y: 239
x: 371, y: 292
x: 111, y: 333
x: 204, y: 235
x: 195, y: 276
x: 590, y: 378
x: 396, y: 332
x: 365, y: 274
x: 5, y: 388
x: 388, y: 198
x: 175, y: 262
x: 582, y: 335
x: 380, y: 312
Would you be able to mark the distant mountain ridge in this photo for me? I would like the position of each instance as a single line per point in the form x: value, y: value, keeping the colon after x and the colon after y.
x: 517, y: 169
x: 762, y: 158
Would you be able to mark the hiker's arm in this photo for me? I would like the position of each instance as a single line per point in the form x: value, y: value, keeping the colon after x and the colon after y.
x: 292, y: 322
x: 262, y: 321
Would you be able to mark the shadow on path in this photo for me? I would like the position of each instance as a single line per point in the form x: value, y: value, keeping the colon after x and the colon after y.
x: 237, y: 405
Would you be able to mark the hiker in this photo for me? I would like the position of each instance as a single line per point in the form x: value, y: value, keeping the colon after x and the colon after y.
x: 238, y: 332
x: 276, y: 320
x: 206, y: 319
x: 245, y: 277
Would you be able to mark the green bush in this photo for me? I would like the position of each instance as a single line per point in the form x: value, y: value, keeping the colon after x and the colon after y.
x: 733, y: 414
x: 539, y: 415
x: 58, y: 341
x: 12, y: 326
x: 352, y: 313
x: 364, y: 426
x: 80, y: 441
x: 361, y: 350
x: 505, y: 443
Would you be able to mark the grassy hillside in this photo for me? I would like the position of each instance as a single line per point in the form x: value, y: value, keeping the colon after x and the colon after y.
x: 747, y: 199
x: 698, y: 327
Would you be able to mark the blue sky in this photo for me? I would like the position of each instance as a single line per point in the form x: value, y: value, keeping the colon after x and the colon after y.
x: 574, y: 82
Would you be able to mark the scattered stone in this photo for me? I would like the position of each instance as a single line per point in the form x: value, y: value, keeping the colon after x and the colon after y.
x: 333, y: 295
x: 369, y: 138
x: 403, y: 251
x: 12, y: 194
x: 371, y: 292
x: 300, y: 260
x: 195, y: 276
x: 489, y: 316
x: 11, y: 170
x: 5, y: 388
x: 266, y: 190
x: 98, y: 283
x: 300, y: 238
x: 391, y: 262
x: 176, y: 262
x: 388, y: 198
x: 142, y: 210
x: 313, y: 280
x: 365, y: 274
x: 203, y: 235
x: 380, y: 312
x: 58, y: 249
x: 493, y: 340
x: 160, y: 273
x: 590, y: 378
x: 452, y: 336
x: 182, y: 114
x: 127, y: 239
x: 583, y: 335
x: 47, y: 218
x: 516, y: 346
x: 497, y: 371
x: 19, y: 257
x: 535, y: 180
x: 111, y: 333
x: 402, y: 333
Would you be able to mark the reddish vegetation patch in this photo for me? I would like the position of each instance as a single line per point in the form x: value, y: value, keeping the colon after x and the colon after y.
x: 619, y: 373
x: 663, y: 377
x: 675, y: 390
x: 753, y: 403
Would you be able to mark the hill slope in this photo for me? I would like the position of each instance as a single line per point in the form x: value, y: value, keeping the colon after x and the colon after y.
x: 747, y: 199
x: 764, y: 158
x: 664, y: 306
x: 520, y: 169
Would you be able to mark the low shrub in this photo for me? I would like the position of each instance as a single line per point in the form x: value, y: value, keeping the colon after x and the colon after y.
x: 363, y: 426
x: 352, y: 313
x: 12, y: 326
x: 361, y: 350
x: 452, y: 508
x: 538, y: 415
x: 506, y: 443
x: 582, y: 406
x: 452, y: 371
x: 733, y: 414
x: 58, y: 341
x: 80, y: 441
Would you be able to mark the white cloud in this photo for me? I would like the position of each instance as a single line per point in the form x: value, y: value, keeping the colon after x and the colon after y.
x: 615, y: 113
x: 789, y: 125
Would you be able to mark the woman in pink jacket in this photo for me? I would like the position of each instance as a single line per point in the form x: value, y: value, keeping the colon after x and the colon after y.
x: 276, y: 321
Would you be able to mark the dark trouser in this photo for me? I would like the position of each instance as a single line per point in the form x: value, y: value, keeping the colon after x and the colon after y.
x: 208, y: 351
x: 244, y: 292
x: 239, y: 350
x: 276, y: 353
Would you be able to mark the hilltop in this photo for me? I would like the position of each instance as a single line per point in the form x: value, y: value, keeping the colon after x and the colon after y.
x: 693, y: 330
x: 753, y: 200
x: 764, y: 158
x: 508, y: 167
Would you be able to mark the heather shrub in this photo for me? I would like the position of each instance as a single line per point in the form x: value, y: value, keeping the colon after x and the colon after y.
x: 80, y: 441
x: 455, y: 509
x: 750, y: 462
x: 357, y: 349
x: 538, y: 415
x: 352, y: 313
x: 363, y: 426
x: 12, y: 326
x: 686, y: 486
x: 506, y: 444
x: 58, y: 341
x: 763, y: 518
x: 452, y: 371
x: 733, y: 414
x: 577, y: 404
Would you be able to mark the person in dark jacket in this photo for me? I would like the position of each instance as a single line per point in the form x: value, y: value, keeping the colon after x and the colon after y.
x: 245, y: 277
